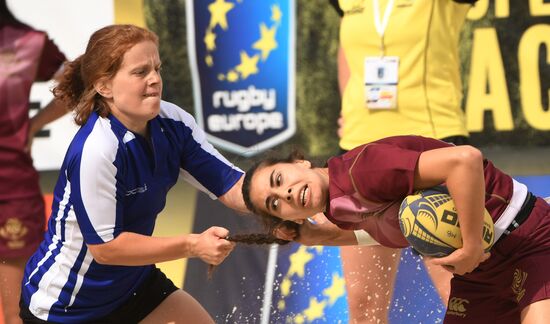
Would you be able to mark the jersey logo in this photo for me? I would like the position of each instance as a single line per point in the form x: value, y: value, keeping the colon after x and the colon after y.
x: 136, y: 190
x: 243, y: 72
x: 457, y: 306
x: 517, y: 283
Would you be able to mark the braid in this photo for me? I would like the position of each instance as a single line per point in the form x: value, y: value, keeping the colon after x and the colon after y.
x: 256, y: 239
x: 266, y: 238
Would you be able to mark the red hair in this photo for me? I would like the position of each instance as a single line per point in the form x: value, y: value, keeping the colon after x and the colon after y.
x: 102, y: 60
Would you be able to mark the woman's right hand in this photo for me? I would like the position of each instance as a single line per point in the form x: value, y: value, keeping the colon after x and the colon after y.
x: 211, y: 245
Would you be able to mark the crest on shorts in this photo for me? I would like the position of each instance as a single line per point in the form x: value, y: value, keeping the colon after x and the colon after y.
x: 242, y: 61
x: 13, y: 232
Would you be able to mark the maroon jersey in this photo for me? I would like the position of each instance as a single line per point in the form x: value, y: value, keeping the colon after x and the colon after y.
x: 26, y: 55
x: 368, y: 183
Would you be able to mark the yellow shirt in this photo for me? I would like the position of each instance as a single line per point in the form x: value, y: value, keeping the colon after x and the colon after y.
x: 424, y: 34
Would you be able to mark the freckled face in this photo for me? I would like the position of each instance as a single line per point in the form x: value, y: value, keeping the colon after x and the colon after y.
x: 135, y: 90
x: 290, y: 191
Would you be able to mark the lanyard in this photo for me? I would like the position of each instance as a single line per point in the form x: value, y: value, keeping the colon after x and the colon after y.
x: 381, y: 25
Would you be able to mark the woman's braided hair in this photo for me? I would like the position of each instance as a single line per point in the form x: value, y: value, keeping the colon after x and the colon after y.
x: 270, y: 222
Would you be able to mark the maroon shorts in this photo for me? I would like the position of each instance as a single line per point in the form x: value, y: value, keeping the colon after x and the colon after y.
x: 21, y: 226
x: 515, y: 276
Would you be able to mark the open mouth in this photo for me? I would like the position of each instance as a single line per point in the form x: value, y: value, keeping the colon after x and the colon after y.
x: 147, y: 95
x: 304, y: 194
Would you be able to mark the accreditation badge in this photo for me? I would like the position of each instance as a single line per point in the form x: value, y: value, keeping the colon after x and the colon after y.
x: 381, y: 77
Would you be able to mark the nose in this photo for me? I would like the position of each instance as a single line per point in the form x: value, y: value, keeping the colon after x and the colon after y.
x: 154, y: 77
x: 289, y: 194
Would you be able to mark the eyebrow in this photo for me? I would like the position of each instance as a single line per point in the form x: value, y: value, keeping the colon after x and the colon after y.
x: 271, y: 181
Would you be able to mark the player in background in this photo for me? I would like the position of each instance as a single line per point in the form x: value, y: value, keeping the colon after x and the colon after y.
x: 363, y: 188
x: 97, y: 261
x: 26, y: 55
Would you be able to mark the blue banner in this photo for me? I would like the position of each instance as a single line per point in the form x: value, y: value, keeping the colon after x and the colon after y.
x: 242, y: 61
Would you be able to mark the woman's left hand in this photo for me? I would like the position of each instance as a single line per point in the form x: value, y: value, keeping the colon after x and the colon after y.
x: 463, y: 260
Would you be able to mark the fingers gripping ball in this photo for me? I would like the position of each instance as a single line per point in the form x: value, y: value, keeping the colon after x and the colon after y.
x: 429, y: 221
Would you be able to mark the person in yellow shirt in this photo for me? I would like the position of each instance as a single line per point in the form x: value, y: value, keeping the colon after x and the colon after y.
x: 399, y: 73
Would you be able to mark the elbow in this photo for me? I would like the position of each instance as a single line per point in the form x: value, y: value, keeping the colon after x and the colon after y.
x: 102, y: 254
x: 470, y: 156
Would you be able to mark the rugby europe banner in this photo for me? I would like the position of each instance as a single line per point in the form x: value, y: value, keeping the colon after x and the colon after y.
x: 242, y: 62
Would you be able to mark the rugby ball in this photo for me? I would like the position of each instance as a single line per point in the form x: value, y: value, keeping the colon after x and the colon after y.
x: 429, y: 221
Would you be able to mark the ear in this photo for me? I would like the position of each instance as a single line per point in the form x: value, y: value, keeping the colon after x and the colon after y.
x: 103, y: 87
x: 304, y: 163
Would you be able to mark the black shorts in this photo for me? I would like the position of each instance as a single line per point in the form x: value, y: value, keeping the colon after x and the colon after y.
x: 148, y: 296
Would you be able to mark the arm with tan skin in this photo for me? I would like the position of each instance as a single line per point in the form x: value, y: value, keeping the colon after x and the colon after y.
x: 53, y: 110
x: 343, y: 77
x: 132, y: 249
x: 322, y: 232
x: 136, y: 249
x: 233, y: 198
x: 461, y: 168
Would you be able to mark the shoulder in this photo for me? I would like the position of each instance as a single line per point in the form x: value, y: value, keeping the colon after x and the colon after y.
x: 172, y: 111
x: 95, y: 141
x: 412, y: 142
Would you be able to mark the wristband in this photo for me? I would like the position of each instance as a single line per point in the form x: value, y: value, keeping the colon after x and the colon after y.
x: 364, y: 238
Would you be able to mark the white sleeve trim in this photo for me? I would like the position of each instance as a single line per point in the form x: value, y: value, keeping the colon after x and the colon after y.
x: 364, y: 238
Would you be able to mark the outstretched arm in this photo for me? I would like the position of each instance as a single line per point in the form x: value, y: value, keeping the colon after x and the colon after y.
x: 132, y: 249
x: 319, y: 231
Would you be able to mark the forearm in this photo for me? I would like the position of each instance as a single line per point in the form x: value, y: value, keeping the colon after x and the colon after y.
x: 132, y: 249
x: 326, y: 234
x: 461, y: 169
x: 467, y: 187
x: 53, y: 110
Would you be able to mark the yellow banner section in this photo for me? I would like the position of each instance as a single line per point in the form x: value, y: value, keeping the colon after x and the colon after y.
x: 129, y: 12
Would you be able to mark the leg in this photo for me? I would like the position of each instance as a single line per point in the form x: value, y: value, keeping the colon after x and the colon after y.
x: 536, y: 313
x: 11, y: 274
x: 370, y: 276
x: 179, y: 307
x: 441, y: 279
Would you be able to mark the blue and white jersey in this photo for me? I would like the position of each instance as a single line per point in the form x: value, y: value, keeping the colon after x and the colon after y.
x: 114, y: 181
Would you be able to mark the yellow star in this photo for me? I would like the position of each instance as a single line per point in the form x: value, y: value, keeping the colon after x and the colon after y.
x: 285, y: 286
x: 208, y: 60
x: 232, y: 76
x: 318, y: 248
x: 276, y: 13
x: 267, y: 41
x: 218, y: 12
x: 336, y: 290
x: 248, y: 65
x: 210, y: 40
x: 281, y: 305
x: 298, y: 319
x: 315, y: 310
x: 298, y: 261
x: 221, y: 76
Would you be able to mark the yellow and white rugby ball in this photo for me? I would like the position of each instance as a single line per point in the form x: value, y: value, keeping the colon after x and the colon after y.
x: 429, y: 221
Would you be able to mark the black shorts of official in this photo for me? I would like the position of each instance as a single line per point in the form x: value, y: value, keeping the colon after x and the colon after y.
x: 152, y: 292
